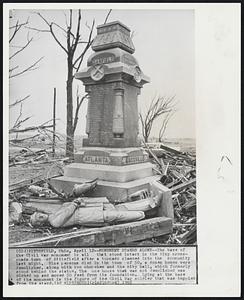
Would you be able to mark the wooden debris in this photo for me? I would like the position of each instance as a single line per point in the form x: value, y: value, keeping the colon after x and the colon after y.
x: 183, y: 185
x: 179, y: 176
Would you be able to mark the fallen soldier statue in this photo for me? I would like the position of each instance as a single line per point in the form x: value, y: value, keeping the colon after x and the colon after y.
x: 78, y: 213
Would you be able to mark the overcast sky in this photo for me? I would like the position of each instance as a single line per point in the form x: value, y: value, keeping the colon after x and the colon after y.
x: 164, y: 42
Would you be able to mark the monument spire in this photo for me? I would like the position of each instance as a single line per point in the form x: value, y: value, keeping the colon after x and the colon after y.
x: 113, y: 79
x: 113, y: 35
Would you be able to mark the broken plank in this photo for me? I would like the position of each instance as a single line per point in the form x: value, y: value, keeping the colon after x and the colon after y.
x: 106, y: 236
x: 183, y: 185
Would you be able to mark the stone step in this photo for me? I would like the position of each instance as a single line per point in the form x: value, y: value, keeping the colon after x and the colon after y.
x: 109, y: 173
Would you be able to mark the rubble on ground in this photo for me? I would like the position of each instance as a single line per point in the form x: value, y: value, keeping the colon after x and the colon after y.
x: 177, y: 170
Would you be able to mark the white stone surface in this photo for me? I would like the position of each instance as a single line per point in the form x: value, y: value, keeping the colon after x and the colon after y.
x: 108, y: 172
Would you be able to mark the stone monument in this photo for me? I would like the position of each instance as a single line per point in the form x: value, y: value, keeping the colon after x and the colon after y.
x: 113, y: 80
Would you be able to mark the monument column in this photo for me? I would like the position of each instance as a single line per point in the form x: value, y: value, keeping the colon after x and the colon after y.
x: 118, y: 114
x: 88, y: 114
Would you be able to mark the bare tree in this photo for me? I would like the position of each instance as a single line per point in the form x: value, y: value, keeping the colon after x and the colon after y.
x: 75, y: 56
x: 15, y: 70
x: 79, y: 101
x: 159, y: 106
x: 165, y: 121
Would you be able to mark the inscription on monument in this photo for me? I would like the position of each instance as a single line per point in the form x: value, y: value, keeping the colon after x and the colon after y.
x: 103, y: 59
x: 134, y: 159
x: 90, y: 159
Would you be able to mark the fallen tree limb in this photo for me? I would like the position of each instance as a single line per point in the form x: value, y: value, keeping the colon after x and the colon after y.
x: 29, y: 181
x: 27, y: 148
x: 38, y: 162
x: 24, y: 139
x: 24, y: 180
x: 29, y: 128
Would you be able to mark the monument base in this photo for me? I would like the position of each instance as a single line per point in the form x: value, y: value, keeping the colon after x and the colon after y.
x: 108, y: 172
x: 111, y: 156
x: 115, y: 182
x: 114, y: 191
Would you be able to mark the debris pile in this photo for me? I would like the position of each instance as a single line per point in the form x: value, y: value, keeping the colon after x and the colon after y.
x: 35, y: 157
x: 37, y: 195
x: 44, y: 208
x: 178, y: 173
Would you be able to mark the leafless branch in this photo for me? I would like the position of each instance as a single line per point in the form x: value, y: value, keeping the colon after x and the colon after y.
x: 66, y: 19
x: 28, y: 69
x: 21, y: 122
x: 164, y: 124
x: 22, y: 48
x: 51, y: 132
x: 13, y: 68
x: 37, y: 29
x: 16, y: 28
x: 24, y: 139
x: 50, y: 25
x: 47, y: 122
x: 18, y: 101
x: 89, y: 42
x: 158, y: 107
x: 18, y: 121
x: 60, y: 27
x: 106, y: 19
x: 19, y: 116
x: 79, y: 101
x: 77, y: 36
x: 32, y: 128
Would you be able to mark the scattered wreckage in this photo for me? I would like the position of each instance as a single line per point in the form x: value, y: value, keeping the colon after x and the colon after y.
x: 44, y: 216
x: 96, y: 213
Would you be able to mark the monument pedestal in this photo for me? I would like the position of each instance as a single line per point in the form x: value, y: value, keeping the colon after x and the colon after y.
x: 111, y: 152
x: 120, y: 172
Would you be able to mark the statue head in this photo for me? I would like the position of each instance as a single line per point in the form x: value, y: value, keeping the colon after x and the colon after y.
x: 38, y: 219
